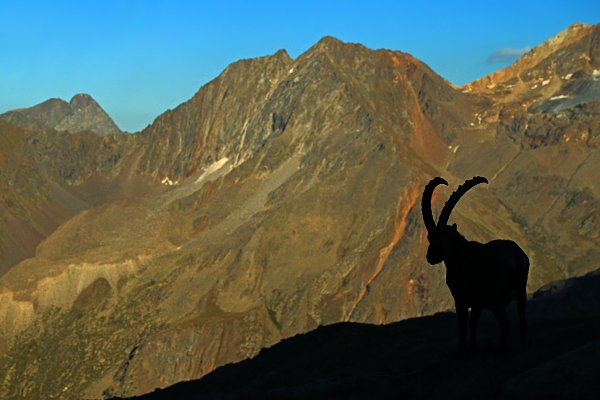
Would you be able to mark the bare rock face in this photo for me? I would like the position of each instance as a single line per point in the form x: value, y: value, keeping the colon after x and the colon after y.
x: 53, y: 165
x: 283, y: 196
x: 46, y: 177
x: 215, y: 123
x: 82, y: 113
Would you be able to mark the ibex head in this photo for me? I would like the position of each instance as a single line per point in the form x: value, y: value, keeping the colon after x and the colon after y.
x: 441, y: 235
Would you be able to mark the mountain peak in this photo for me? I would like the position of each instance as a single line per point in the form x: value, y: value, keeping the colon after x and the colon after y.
x: 337, y: 47
x: 329, y: 40
x: 329, y: 43
x: 543, y: 70
x: 580, y: 25
x: 83, y: 100
x: 282, y: 53
x: 81, y: 113
x: 566, y: 36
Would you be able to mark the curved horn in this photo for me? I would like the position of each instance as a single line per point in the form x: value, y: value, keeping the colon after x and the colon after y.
x: 455, y: 197
x: 426, y: 202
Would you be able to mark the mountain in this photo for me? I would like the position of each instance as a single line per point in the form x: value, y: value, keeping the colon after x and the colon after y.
x: 80, y: 114
x: 48, y: 176
x: 417, y: 358
x: 58, y: 159
x: 562, y: 73
x: 284, y: 195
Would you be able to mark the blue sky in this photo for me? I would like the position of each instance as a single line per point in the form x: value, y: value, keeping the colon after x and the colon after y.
x: 139, y: 58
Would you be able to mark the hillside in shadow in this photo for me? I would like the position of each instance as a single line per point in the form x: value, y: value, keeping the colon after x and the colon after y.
x: 417, y: 358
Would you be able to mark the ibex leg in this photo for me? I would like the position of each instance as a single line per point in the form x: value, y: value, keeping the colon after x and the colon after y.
x: 504, y: 322
x: 521, y: 307
x: 463, y: 313
x: 475, y: 313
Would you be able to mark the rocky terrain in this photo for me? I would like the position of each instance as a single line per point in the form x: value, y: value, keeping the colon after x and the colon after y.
x: 80, y: 114
x: 284, y: 195
x: 48, y: 176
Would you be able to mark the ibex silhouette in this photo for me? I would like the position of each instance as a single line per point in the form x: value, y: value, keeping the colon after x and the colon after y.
x: 479, y: 275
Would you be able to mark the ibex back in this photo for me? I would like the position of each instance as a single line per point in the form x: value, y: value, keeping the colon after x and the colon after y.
x: 479, y: 275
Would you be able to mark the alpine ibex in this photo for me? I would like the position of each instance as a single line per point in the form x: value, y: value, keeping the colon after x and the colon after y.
x: 479, y: 275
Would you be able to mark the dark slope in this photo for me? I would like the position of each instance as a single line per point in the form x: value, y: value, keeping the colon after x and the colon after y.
x: 415, y: 358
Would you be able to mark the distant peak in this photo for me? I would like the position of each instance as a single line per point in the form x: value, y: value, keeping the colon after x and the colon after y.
x: 573, y: 31
x: 556, y: 48
x: 282, y: 53
x: 579, y: 25
x: 82, y: 100
x: 52, y: 101
x: 81, y: 113
x: 329, y: 40
x: 331, y: 45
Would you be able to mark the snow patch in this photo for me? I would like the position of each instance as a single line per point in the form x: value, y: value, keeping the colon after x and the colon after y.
x: 547, y: 81
x: 567, y: 77
x: 561, y: 96
x: 217, y: 165
x: 167, y: 181
x: 596, y: 74
x: 534, y: 87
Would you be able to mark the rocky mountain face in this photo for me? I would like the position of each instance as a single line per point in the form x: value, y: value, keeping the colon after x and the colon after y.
x: 283, y: 196
x: 80, y: 114
x: 57, y: 159
x: 48, y: 176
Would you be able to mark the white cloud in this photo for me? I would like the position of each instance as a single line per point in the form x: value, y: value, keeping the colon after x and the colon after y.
x: 507, y: 54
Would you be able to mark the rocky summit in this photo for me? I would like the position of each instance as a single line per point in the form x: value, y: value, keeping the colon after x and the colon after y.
x: 284, y: 195
x: 80, y: 114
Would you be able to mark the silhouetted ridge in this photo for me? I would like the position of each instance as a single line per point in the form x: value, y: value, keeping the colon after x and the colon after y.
x: 411, y: 359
